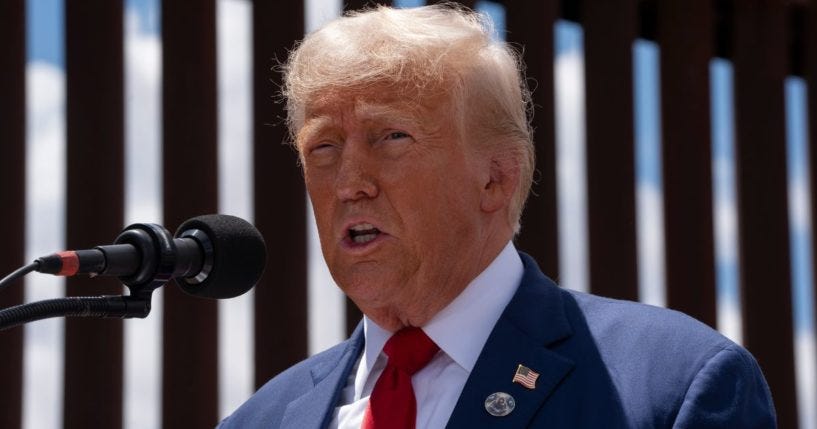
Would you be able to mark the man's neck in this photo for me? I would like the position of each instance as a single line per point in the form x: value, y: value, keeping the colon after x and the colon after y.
x: 420, y: 309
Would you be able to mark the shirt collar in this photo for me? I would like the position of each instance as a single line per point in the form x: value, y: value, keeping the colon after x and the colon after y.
x: 474, y: 311
x: 376, y: 338
x: 462, y: 328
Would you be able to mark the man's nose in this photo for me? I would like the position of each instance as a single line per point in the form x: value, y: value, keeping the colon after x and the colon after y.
x: 356, y: 177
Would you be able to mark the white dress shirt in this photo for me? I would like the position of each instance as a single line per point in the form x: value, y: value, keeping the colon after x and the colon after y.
x: 460, y: 329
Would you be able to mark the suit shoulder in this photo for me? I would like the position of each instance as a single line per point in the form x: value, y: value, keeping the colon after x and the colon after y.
x: 267, y: 405
x: 623, y: 320
x: 672, y: 362
x: 728, y: 391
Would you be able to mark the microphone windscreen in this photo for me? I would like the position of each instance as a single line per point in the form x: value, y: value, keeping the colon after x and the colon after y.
x: 239, y: 256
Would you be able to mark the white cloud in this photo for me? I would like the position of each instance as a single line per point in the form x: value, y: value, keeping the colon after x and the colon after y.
x: 46, y: 152
x: 143, y: 368
x: 651, y: 272
x: 45, y: 208
x: 143, y: 109
x: 805, y: 358
x: 726, y: 218
x: 143, y: 203
x: 327, y: 322
x: 234, y: 47
x: 730, y: 320
x: 800, y: 204
x: 570, y: 151
x: 43, y: 370
x: 319, y: 12
x: 234, y: 44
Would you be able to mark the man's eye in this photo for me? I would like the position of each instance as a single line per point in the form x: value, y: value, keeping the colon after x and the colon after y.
x: 321, y: 147
x: 321, y: 151
x: 396, y: 135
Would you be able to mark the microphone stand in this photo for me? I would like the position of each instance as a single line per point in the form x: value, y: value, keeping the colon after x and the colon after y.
x: 159, y: 260
x: 114, y: 306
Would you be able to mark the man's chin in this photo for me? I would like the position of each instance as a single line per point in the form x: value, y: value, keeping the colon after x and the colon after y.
x: 367, y: 294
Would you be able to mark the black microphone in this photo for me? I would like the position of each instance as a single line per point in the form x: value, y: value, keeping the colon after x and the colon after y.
x: 213, y: 256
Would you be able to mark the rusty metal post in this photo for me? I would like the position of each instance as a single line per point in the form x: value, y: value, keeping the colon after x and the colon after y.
x: 530, y: 27
x: 809, y: 56
x: 684, y: 32
x: 280, y: 198
x: 94, y: 67
x: 360, y: 4
x: 12, y: 194
x: 610, y: 28
x: 760, y: 59
x: 190, y: 133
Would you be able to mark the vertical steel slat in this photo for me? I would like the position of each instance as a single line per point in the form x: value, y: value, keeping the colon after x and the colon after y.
x: 190, y: 132
x: 610, y: 28
x: 760, y: 60
x: 809, y: 54
x: 280, y: 198
x: 684, y: 32
x: 360, y: 4
x: 94, y: 203
x: 467, y: 3
x: 471, y: 4
x: 353, y: 316
x: 12, y: 197
x: 530, y: 27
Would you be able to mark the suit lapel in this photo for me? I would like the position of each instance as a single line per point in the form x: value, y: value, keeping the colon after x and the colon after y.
x: 532, y: 320
x: 315, y: 407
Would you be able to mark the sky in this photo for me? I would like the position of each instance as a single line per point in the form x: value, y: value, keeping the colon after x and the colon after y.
x: 45, y: 165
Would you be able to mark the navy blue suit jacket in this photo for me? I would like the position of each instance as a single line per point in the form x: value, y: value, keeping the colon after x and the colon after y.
x: 603, y: 363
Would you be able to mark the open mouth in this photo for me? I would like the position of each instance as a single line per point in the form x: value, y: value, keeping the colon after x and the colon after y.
x: 363, y: 233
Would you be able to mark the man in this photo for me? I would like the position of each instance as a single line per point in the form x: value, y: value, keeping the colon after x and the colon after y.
x: 413, y: 135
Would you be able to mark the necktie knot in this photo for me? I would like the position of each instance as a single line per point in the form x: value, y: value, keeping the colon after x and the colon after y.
x: 410, y: 349
x: 392, y: 404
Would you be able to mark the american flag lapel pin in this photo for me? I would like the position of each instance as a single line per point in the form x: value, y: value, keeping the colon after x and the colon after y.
x: 525, y: 376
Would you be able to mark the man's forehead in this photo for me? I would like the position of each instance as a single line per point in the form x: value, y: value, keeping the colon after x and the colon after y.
x: 377, y: 112
x: 335, y: 108
x: 332, y: 113
x: 378, y: 105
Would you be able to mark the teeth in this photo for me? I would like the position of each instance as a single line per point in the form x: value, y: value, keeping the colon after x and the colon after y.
x: 363, y: 233
x: 362, y: 227
x: 364, y: 238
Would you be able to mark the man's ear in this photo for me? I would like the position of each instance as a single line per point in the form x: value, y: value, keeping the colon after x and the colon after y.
x: 501, y: 183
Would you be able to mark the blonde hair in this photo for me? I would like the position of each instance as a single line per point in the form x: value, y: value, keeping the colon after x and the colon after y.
x: 424, y: 52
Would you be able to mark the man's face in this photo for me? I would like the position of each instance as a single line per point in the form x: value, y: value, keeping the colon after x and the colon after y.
x: 396, y: 195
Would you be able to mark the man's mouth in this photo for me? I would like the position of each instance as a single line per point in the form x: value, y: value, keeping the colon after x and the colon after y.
x: 363, y: 233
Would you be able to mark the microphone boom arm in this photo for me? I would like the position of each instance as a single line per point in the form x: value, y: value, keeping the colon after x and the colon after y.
x: 76, y: 306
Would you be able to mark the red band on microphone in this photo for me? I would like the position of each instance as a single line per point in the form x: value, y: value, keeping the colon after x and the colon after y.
x: 70, y: 263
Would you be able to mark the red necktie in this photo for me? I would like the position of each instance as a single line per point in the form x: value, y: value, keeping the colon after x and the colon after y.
x: 392, y: 404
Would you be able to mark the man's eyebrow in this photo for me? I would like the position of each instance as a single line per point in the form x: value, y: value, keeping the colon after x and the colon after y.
x: 313, y: 126
x: 386, y: 113
x: 372, y: 113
